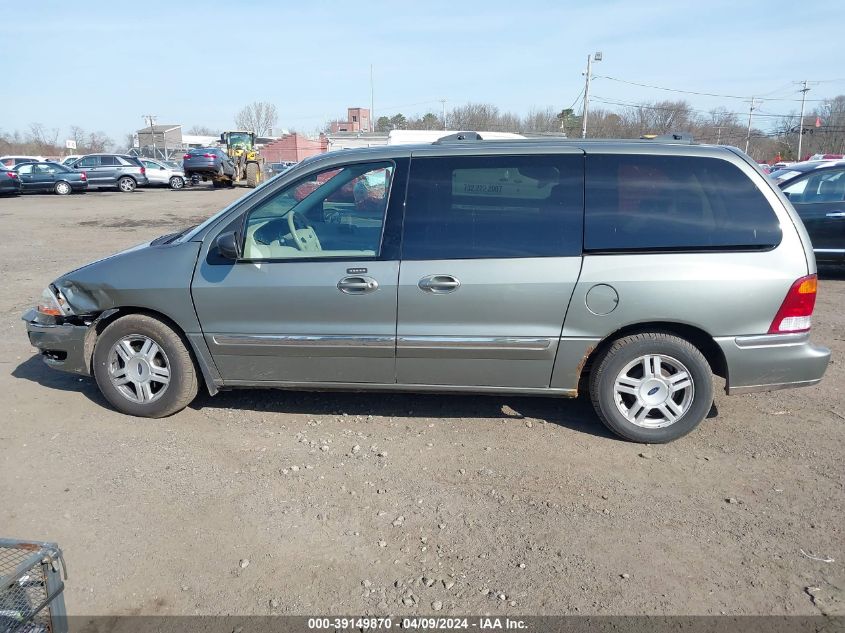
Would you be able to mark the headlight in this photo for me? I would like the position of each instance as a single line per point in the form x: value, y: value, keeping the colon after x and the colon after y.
x: 53, y: 304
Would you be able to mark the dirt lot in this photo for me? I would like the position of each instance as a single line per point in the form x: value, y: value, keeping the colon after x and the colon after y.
x: 470, y: 504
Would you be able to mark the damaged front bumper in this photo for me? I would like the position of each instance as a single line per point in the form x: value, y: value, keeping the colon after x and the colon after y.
x: 63, y: 346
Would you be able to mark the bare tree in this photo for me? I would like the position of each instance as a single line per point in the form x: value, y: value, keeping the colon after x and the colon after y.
x: 97, y: 142
x: 474, y: 116
x: 259, y: 117
x: 201, y: 130
x: 43, y: 140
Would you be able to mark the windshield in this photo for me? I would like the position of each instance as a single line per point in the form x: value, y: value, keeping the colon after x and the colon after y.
x: 241, y: 140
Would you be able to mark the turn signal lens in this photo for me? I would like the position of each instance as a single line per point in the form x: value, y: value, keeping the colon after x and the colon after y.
x: 52, y: 305
x: 796, y: 312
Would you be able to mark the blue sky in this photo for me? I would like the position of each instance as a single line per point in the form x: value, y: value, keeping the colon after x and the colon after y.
x: 198, y: 63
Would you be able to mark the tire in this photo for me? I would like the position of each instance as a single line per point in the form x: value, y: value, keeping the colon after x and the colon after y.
x: 252, y: 175
x: 114, y: 363
x: 177, y: 182
x: 677, y: 396
x: 126, y: 184
x: 62, y: 188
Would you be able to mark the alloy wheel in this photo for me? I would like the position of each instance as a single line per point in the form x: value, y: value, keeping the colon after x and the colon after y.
x: 654, y: 391
x: 139, y: 368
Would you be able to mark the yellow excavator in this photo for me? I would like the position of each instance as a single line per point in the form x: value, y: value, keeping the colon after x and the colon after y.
x: 240, y: 146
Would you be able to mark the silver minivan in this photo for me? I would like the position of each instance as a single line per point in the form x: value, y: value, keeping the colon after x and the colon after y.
x: 632, y: 270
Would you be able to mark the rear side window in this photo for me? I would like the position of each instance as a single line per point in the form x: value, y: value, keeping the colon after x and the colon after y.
x: 824, y: 186
x: 466, y: 207
x: 108, y: 161
x: 673, y: 203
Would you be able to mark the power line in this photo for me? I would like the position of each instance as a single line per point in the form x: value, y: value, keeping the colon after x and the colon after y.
x: 701, y: 94
x: 653, y: 107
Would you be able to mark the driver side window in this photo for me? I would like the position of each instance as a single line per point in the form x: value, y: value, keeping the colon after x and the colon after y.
x: 337, y: 212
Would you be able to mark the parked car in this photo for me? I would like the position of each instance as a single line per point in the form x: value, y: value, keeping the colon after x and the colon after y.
x: 113, y: 170
x: 818, y: 196
x: 10, y: 184
x: 633, y: 270
x: 275, y: 169
x: 14, y: 161
x: 796, y: 169
x: 48, y: 176
x: 208, y: 163
x: 160, y: 173
x: 69, y: 160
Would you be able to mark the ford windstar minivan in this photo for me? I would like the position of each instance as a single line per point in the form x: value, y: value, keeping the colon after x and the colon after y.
x: 634, y: 270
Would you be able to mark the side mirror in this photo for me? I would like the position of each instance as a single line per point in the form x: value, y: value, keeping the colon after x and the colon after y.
x: 786, y: 193
x: 161, y: 168
x: 227, y: 245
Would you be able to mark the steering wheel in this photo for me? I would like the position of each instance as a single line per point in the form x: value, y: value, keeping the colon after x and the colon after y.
x: 303, y: 235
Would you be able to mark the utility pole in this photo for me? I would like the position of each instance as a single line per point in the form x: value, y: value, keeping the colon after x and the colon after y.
x: 443, y: 103
x: 588, y: 74
x: 372, y: 103
x: 748, y: 133
x: 803, y: 92
x: 151, y: 119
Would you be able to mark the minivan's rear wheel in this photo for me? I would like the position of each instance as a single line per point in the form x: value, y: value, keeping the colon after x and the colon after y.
x: 177, y: 182
x: 143, y: 367
x: 62, y: 188
x: 651, y: 387
x: 126, y: 184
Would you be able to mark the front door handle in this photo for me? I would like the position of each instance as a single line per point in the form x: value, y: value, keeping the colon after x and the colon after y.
x: 439, y: 284
x: 835, y: 214
x: 357, y: 285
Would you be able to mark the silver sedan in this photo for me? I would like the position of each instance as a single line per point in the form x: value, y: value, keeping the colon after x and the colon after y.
x: 164, y: 173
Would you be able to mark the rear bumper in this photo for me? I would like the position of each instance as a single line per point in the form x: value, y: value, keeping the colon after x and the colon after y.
x: 772, y: 361
x: 201, y: 168
x: 62, y: 347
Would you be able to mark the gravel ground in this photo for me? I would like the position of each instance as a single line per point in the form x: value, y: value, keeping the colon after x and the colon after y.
x: 258, y: 502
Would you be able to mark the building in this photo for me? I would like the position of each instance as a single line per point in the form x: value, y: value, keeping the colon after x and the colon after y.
x: 159, y: 141
x: 294, y: 148
x: 353, y: 140
x: 357, y: 120
x: 193, y: 141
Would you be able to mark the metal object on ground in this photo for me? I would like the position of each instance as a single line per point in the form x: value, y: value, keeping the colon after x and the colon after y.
x: 31, y: 587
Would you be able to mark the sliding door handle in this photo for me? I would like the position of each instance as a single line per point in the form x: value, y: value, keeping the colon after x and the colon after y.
x: 439, y: 284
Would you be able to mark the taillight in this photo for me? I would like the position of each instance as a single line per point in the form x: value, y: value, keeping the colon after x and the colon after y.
x: 186, y: 156
x: 209, y: 156
x: 12, y: 175
x: 796, y: 311
x: 143, y: 171
x: 83, y: 176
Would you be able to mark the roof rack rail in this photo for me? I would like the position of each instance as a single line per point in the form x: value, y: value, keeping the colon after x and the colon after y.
x: 458, y: 137
x: 673, y: 137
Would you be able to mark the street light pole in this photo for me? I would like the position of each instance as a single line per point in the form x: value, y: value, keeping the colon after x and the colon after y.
x: 589, y: 73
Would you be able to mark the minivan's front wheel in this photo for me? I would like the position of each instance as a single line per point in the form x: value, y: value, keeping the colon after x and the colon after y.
x: 651, y: 387
x: 126, y: 184
x: 143, y: 367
